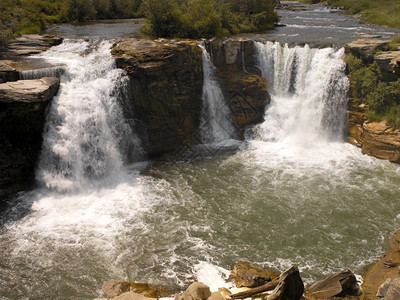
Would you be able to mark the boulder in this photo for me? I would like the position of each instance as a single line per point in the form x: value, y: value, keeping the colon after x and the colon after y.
x: 340, y: 284
x: 390, y: 289
x: 246, y: 275
x: 132, y: 296
x: 22, y: 118
x: 366, y: 48
x: 290, y: 286
x: 196, y: 291
x: 386, y: 267
x: 113, y: 288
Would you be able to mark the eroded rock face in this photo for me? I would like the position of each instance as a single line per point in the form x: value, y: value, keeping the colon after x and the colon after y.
x: 374, y: 138
x: 385, y: 268
x: 167, y: 82
x: 22, y: 117
x: 166, y: 86
x: 7, y: 71
x: 246, y: 275
x: 245, y: 90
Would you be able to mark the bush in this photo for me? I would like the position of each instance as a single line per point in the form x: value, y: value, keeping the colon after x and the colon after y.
x: 196, y: 18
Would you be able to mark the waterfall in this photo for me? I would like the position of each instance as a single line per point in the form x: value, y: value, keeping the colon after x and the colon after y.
x: 40, y: 73
x: 86, y: 137
x: 215, y: 124
x: 309, y: 93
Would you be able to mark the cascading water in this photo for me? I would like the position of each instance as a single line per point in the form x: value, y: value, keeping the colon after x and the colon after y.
x: 296, y: 195
x: 216, y: 123
x: 86, y: 135
x: 309, y: 93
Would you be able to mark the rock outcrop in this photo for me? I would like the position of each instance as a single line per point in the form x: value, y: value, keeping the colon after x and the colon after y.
x: 290, y: 286
x: 196, y: 291
x: 28, y: 44
x: 387, y: 267
x: 167, y: 82
x: 245, y: 90
x: 390, y: 289
x: 246, y: 275
x: 366, y: 48
x: 166, y: 86
x: 22, y: 116
x: 7, y: 71
x: 374, y: 138
x: 340, y: 284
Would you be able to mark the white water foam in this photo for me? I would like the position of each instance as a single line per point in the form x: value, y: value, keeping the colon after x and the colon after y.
x: 86, y: 131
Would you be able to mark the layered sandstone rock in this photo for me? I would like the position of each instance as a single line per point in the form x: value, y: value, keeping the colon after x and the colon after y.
x: 28, y: 44
x: 366, y: 48
x: 386, y: 268
x: 22, y: 116
x: 166, y: 86
x: 245, y: 90
x: 374, y: 138
x: 167, y: 81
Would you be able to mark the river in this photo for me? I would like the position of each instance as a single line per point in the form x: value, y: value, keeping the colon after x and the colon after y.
x: 292, y: 193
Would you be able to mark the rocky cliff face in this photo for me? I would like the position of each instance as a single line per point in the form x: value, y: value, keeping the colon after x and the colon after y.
x: 375, y: 138
x: 244, y: 88
x: 166, y: 86
x: 22, y: 115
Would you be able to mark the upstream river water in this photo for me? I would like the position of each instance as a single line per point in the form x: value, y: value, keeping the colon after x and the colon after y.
x: 292, y: 193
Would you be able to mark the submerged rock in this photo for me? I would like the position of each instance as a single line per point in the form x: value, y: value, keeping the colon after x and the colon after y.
x: 246, y: 275
x: 340, y: 284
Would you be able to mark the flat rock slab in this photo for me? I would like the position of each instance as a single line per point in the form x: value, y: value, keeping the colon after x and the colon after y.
x: 366, y: 48
x: 29, y: 44
x: 35, y: 90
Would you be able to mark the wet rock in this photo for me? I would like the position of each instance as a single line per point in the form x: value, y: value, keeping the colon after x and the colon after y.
x: 340, y: 284
x: 390, y: 289
x: 245, y: 90
x: 22, y: 117
x: 379, y: 272
x: 7, y: 71
x: 196, y: 291
x: 216, y: 296
x: 366, y: 48
x: 113, y: 288
x: 290, y: 286
x: 246, y: 275
x: 166, y: 87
